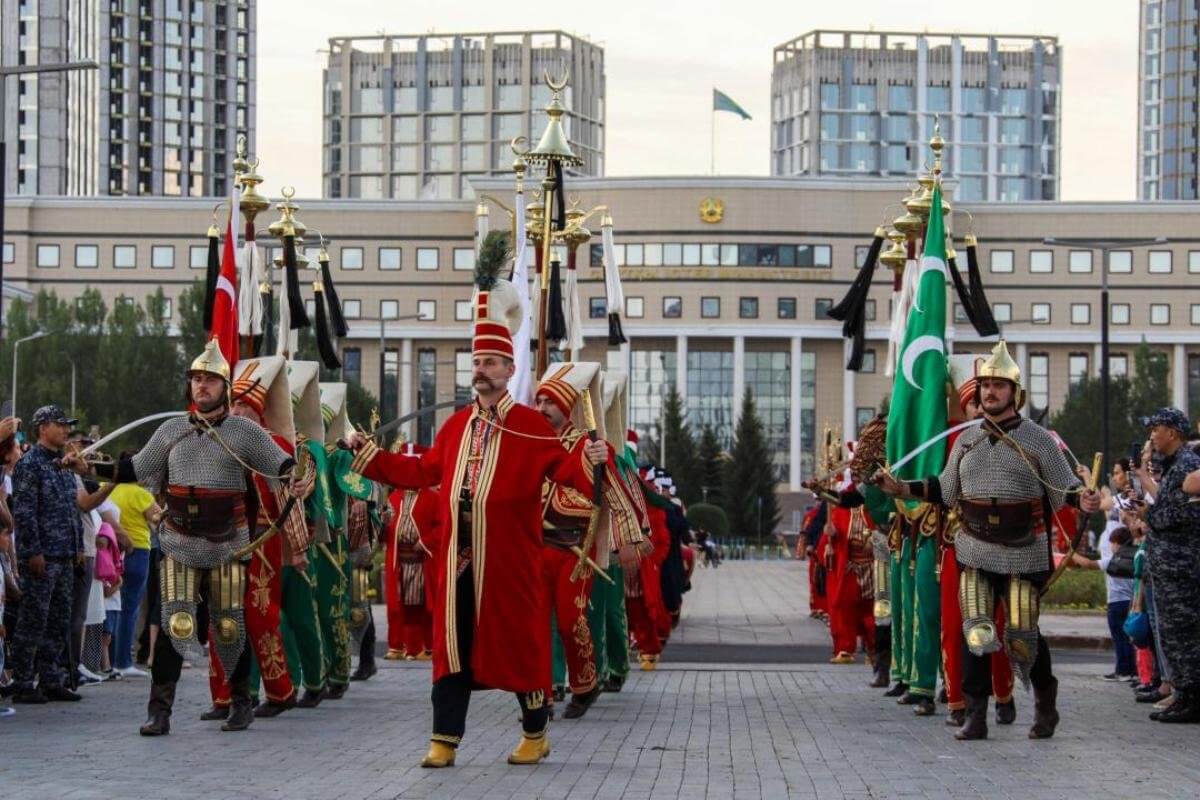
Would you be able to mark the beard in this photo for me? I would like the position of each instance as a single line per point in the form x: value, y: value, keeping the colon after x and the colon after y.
x: 209, y: 404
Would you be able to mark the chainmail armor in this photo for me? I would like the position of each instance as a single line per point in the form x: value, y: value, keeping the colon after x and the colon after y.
x: 982, y: 469
x: 190, y: 456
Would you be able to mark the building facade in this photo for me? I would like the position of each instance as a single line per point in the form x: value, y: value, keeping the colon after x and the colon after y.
x: 1168, y: 47
x: 711, y: 308
x: 160, y: 116
x: 421, y: 117
x: 856, y: 103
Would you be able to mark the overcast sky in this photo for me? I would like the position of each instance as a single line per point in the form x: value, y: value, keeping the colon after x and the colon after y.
x: 663, y: 57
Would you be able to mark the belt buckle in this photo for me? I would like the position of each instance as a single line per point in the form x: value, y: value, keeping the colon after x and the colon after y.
x: 993, y: 519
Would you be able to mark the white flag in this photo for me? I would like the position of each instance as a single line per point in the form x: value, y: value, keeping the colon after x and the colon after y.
x: 521, y: 387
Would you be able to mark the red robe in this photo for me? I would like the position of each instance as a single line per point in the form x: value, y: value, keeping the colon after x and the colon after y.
x: 851, y: 598
x: 511, y: 644
x: 410, y: 628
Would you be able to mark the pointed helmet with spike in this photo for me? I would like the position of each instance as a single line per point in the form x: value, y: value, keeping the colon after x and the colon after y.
x: 1000, y: 365
x: 211, y: 361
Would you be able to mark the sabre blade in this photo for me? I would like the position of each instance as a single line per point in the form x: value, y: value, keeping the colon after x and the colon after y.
x: 128, y: 427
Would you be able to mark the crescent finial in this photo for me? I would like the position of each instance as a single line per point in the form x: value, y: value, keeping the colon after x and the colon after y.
x: 288, y: 192
x: 560, y: 84
x: 517, y: 146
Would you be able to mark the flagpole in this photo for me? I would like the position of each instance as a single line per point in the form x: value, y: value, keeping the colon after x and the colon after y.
x: 712, y: 147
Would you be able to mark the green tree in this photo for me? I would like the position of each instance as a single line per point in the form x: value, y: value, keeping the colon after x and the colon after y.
x: 192, y: 335
x: 708, y: 518
x: 750, y: 500
x: 680, y: 450
x: 1077, y: 422
x: 711, y: 466
x: 1151, y: 388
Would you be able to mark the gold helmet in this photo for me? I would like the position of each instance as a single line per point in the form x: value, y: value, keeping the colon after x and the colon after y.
x: 1000, y: 365
x: 211, y: 361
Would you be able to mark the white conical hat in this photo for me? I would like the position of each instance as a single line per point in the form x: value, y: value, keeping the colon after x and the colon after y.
x: 263, y: 382
x: 616, y: 391
x: 333, y: 411
x: 962, y: 367
x: 583, y: 377
x: 306, y: 398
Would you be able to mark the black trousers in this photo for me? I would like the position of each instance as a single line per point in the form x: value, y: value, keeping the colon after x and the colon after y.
x: 977, y: 670
x: 79, y: 604
x: 451, y: 695
x: 366, y: 650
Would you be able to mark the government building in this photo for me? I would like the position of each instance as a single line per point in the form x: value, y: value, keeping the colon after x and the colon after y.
x: 716, y: 300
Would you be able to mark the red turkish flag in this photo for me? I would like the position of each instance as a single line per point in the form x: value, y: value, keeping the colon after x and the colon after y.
x: 225, y: 310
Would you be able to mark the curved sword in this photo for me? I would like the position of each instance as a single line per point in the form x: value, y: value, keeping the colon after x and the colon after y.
x: 925, y: 445
x: 91, y: 448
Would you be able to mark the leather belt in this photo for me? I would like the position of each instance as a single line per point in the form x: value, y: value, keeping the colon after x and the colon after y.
x: 566, y: 538
x: 1011, y: 524
x: 214, y: 515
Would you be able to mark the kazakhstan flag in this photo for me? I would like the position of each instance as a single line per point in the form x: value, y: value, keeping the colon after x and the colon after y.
x: 723, y: 102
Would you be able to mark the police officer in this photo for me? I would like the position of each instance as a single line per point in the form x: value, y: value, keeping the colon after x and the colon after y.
x: 1174, y: 554
x: 49, y: 549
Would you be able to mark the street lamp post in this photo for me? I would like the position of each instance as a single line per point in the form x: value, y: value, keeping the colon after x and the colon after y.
x: 16, y: 346
x: 1105, y: 247
x: 23, y: 69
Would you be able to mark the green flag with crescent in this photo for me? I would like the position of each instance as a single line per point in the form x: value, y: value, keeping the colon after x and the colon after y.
x: 918, y: 410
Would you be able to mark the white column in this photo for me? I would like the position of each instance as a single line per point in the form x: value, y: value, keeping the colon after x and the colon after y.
x: 739, y: 375
x: 1023, y: 365
x: 1099, y: 360
x: 681, y: 366
x: 848, y: 399
x: 796, y: 440
x: 406, y: 367
x: 1179, y: 379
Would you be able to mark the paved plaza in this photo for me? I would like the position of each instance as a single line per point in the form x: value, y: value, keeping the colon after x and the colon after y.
x: 741, y: 721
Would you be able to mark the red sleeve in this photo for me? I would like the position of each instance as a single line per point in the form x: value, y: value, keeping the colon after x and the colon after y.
x: 400, y: 471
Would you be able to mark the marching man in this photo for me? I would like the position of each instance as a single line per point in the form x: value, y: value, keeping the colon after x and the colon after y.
x: 490, y: 608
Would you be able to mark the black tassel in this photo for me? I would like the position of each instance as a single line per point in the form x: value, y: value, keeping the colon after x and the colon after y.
x: 324, y: 343
x: 852, y: 311
x: 964, y: 295
x: 266, y: 342
x: 335, y: 305
x: 299, y: 317
x: 211, y: 276
x: 615, y: 334
x: 556, y: 323
x: 983, y: 310
x: 560, y: 198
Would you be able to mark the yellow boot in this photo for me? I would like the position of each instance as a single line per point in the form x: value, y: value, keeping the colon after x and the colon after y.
x: 440, y: 755
x: 649, y: 663
x: 531, y: 749
x: 393, y: 655
x: 842, y: 658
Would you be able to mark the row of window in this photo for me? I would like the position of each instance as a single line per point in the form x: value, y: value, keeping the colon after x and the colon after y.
x: 695, y: 254
x: 1158, y: 262
x: 125, y: 256
x: 1081, y: 313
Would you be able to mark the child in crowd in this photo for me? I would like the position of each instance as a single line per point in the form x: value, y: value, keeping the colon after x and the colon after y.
x: 109, y: 568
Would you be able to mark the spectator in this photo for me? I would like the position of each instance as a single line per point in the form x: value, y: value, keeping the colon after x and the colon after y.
x: 10, y: 451
x: 1174, y: 562
x: 109, y: 569
x: 49, y: 545
x: 90, y: 497
x: 138, y: 512
x: 5, y: 711
x: 1120, y: 594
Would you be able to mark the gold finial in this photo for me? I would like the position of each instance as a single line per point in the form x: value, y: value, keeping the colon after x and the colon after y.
x: 554, y: 146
